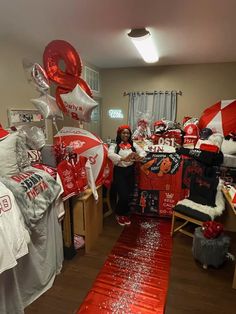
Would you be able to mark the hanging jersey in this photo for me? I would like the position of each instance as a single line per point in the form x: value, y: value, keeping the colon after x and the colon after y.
x: 13, y: 236
x: 81, y: 176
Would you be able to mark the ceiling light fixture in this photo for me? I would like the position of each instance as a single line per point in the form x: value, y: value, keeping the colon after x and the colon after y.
x: 143, y: 42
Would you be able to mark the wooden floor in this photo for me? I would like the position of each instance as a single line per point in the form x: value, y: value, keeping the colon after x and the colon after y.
x: 191, y: 289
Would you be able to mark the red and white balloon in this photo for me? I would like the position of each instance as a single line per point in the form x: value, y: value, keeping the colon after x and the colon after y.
x: 69, y: 80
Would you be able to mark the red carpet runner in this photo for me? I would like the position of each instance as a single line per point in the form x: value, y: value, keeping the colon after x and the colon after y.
x: 134, y: 278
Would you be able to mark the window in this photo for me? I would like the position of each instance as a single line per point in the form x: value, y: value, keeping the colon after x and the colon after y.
x: 92, y: 78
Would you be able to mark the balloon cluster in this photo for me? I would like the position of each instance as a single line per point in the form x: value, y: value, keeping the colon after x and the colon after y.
x: 46, y: 104
x: 73, y: 94
x: 212, y: 229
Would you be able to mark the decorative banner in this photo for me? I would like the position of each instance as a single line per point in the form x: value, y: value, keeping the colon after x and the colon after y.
x: 167, y: 202
x: 134, y: 278
x: 162, y: 172
x: 160, y: 164
x: 159, y: 149
x: 157, y: 203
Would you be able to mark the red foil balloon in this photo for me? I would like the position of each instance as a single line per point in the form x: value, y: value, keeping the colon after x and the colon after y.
x: 84, y: 86
x: 59, y: 51
x: 56, y: 52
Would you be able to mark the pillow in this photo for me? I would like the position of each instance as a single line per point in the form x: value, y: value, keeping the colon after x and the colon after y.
x: 8, y: 156
x: 203, y: 190
x: 228, y: 147
x: 3, y: 133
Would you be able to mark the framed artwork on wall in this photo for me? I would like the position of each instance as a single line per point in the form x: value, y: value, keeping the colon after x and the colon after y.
x: 32, y: 117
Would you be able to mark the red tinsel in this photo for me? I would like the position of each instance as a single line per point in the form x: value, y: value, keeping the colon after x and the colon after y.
x: 212, y: 229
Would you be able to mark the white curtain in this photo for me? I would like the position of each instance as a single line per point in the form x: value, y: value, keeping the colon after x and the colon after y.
x: 152, y: 106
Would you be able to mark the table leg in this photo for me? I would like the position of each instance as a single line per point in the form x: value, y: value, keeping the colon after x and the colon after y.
x: 68, y: 231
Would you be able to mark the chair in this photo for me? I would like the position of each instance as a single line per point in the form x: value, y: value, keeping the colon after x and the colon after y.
x: 192, y: 212
x: 192, y: 216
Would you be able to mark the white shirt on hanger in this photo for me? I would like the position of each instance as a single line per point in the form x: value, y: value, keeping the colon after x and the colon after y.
x: 13, y: 235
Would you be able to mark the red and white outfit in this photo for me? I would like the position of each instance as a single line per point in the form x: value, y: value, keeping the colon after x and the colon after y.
x: 123, y: 176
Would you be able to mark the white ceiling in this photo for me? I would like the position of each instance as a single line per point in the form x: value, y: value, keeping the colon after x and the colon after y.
x: 185, y: 31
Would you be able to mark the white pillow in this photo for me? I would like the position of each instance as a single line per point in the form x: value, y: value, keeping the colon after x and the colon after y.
x: 228, y: 147
x: 8, y: 159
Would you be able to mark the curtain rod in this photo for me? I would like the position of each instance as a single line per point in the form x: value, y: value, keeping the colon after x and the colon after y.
x: 153, y: 93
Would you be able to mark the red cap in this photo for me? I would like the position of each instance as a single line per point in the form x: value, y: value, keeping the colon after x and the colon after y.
x: 159, y: 123
x: 3, y: 133
x: 123, y: 127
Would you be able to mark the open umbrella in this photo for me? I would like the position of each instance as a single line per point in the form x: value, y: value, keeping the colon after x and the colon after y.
x: 221, y: 117
x: 86, y: 144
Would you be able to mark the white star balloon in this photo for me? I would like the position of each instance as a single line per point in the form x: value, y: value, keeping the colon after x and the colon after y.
x: 79, y: 104
x: 48, y: 107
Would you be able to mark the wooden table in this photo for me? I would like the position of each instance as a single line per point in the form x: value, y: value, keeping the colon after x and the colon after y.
x: 83, y: 216
x: 229, y: 215
x: 229, y: 221
x: 88, y: 217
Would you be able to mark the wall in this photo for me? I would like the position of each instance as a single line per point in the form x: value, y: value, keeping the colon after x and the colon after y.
x: 16, y: 92
x: 202, y: 85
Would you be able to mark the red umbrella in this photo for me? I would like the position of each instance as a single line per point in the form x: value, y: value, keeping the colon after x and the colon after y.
x: 86, y: 144
x: 220, y: 117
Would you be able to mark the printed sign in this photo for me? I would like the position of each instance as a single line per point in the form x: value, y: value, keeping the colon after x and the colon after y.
x: 161, y: 164
x: 159, y: 149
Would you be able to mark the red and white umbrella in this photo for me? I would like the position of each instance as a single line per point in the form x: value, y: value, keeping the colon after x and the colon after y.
x: 221, y: 117
x: 86, y: 144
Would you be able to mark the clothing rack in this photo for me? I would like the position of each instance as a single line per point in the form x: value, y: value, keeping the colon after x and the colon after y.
x: 153, y: 93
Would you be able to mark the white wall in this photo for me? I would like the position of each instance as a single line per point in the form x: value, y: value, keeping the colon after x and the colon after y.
x: 202, y: 85
x: 16, y: 92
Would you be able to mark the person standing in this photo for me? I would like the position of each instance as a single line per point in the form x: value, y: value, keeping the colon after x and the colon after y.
x: 124, y: 153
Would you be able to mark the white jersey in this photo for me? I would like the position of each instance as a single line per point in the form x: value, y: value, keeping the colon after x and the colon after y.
x: 13, y: 236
